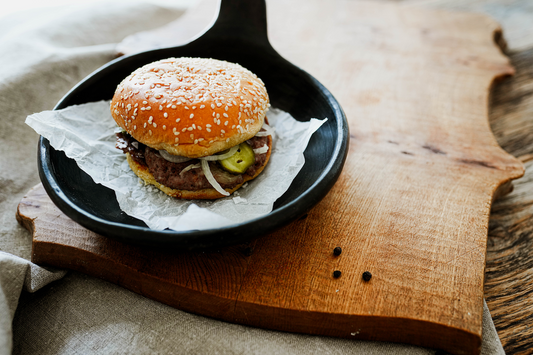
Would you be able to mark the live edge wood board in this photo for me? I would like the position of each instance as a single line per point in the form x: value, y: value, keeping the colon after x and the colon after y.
x: 411, y: 206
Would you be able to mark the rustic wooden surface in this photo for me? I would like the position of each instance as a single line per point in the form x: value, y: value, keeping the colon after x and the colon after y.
x: 509, y: 265
x: 412, y: 204
x: 509, y: 272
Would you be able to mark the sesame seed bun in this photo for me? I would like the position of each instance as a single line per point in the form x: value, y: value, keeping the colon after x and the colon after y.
x: 193, y: 107
x: 143, y: 172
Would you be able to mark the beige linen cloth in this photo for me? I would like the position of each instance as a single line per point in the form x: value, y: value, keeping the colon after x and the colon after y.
x: 43, y: 53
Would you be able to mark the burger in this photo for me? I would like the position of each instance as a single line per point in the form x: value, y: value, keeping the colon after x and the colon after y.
x: 195, y: 128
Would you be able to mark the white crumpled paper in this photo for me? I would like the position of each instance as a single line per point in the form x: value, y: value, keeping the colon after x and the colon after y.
x: 86, y: 133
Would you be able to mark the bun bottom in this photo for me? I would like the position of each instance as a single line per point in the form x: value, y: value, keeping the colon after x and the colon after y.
x: 204, y: 194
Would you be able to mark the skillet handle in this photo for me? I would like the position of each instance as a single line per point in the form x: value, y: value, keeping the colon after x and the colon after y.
x: 239, y: 21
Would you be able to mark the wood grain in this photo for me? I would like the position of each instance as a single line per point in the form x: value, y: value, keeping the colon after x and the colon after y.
x: 509, y: 272
x: 412, y: 205
x: 508, y: 285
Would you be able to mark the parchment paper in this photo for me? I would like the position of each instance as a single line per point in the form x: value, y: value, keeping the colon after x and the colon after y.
x: 86, y: 133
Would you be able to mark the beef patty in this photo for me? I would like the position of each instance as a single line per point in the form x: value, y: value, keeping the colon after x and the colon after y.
x: 178, y: 175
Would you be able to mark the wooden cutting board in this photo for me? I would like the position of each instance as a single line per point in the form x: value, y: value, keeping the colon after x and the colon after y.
x: 411, y: 206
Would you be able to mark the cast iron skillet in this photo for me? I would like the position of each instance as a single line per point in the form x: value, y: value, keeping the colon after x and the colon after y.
x: 239, y: 34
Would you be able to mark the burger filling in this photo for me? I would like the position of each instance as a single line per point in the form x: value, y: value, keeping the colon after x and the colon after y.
x: 189, y: 175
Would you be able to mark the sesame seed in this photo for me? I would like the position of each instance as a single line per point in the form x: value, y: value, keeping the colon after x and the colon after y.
x: 190, y: 129
x: 144, y: 124
x: 218, y: 115
x: 148, y: 108
x: 160, y: 107
x: 192, y: 115
x: 183, y: 130
x: 186, y: 107
x: 208, y: 125
x: 150, y: 131
x: 225, y: 114
x: 164, y: 127
x: 165, y: 115
x: 155, y: 125
x: 150, y: 119
x: 196, y: 141
x: 226, y: 123
x: 219, y: 104
x: 222, y: 131
x: 173, y: 106
x: 194, y: 107
x: 176, y: 140
x: 213, y: 106
x: 202, y: 106
x: 145, y: 102
x: 192, y: 136
x: 178, y: 119
x: 208, y: 129
x: 227, y: 140
x: 193, y: 126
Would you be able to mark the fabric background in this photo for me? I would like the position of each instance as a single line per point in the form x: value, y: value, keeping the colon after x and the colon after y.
x: 44, y: 53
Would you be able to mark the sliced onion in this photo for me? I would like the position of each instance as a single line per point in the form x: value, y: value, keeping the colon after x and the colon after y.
x: 189, y: 167
x: 209, y: 176
x: 268, y: 131
x: 232, y: 151
x: 121, y: 144
x: 173, y: 158
x: 261, y: 150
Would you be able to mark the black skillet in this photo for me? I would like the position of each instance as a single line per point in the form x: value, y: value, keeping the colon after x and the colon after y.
x: 239, y: 34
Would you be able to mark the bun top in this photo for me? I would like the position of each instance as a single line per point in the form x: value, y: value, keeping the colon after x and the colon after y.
x: 192, y: 107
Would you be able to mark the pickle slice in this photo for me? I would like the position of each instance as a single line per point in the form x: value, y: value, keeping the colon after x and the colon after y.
x: 240, y: 161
